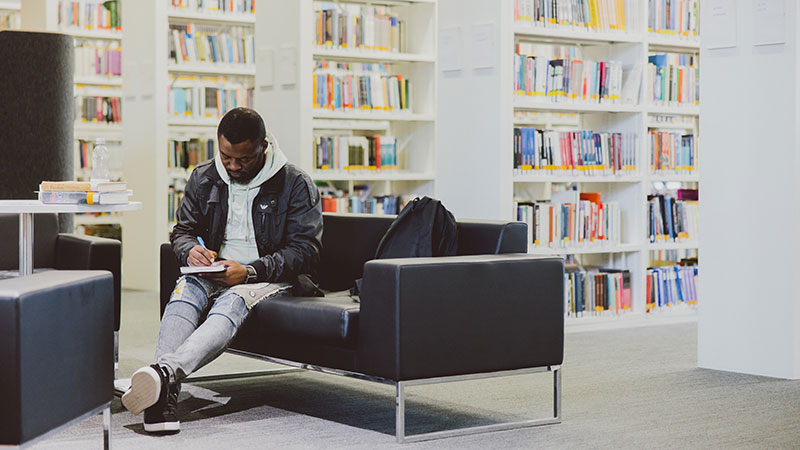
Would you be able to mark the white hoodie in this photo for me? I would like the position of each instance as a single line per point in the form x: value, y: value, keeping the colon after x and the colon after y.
x: 239, y: 243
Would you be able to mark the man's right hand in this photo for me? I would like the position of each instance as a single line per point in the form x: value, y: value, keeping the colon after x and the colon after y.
x: 201, y: 256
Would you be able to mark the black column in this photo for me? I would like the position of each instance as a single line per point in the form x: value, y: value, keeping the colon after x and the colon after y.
x: 36, y: 113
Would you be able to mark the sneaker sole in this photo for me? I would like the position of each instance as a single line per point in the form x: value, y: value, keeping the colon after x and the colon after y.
x: 163, y: 426
x: 144, y: 392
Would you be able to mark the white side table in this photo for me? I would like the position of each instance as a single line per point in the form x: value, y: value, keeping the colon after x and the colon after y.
x: 27, y: 208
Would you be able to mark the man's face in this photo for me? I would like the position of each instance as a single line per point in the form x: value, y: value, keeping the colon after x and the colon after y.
x: 242, y: 161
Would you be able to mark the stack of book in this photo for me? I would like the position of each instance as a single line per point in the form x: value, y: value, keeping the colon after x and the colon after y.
x: 351, y: 26
x: 237, y: 6
x: 191, y: 44
x: 90, y: 15
x: 673, y: 219
x: 571, y: 220
x: 346, y: 86
x: 672, y: 79
x: 671, y: 286
x: 596, y: 291
x: 84, y: 192
x: 583, y: 152
x: 558, y: 74
x: 596, y: 15
x: 355, y: 152
x: 672, y: 152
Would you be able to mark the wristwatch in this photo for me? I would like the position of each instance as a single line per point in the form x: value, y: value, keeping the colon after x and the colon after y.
x: 251, y: 274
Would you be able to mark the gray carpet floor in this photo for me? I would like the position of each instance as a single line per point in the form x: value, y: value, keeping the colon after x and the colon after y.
x: 623, y: 389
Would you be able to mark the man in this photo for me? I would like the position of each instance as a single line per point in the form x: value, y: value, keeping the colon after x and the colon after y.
x: 251, y: 212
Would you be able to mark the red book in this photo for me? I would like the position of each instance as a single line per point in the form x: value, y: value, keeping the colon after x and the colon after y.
x: 593, y: 197
x: 377, y: 151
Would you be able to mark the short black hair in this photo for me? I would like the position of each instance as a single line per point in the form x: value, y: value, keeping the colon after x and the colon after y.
x: 242, y: 124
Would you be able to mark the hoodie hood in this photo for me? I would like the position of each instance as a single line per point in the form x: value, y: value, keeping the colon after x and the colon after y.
x: 275, y: 160
x: 239, y: 243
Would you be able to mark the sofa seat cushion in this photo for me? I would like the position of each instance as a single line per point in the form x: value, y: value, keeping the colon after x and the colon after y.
x: 329, y: 320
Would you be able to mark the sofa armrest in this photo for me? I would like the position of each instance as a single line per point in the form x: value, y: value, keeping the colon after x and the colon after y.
x: 82, y: 252
x: 57, y: 348
x: 432, y: 317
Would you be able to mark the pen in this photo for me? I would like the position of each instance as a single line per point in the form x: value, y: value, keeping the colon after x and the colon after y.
x: 203, y: 243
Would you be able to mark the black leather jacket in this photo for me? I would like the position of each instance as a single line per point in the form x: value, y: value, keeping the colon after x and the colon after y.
x: 287, y: 220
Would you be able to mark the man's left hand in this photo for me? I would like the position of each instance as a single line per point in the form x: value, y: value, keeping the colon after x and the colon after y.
x: 235, y: 274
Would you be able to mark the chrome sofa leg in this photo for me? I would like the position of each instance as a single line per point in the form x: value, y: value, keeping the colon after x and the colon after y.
x: 400, y: 412
x: 107, y: 428
x: 116, y: 354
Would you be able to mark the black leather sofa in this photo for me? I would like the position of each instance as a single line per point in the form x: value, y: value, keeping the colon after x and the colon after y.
x: 62, y: 251
x: 491, y: 310
x: 56, y: 348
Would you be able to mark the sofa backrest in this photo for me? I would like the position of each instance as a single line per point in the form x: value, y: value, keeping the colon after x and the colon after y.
x: 350, y: 240
x: 45, y: 233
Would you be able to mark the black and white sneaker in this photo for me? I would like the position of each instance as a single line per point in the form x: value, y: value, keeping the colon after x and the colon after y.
x: 163, y: 416
x: 148, y: 386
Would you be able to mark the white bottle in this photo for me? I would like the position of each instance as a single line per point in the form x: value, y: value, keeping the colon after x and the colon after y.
x: 100, y: 161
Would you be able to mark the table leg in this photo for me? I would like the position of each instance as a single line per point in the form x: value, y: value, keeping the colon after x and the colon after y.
x: 25, y: 244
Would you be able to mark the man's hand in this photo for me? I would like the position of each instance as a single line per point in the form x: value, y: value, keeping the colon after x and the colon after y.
x: 201, y: 256
x: 235, y: 274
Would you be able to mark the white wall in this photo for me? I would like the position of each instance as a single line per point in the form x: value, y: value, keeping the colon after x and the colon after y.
x: 749, y: 312
x: 474, y: 137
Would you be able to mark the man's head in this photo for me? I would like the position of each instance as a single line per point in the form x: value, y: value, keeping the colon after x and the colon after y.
x: 242, y: 143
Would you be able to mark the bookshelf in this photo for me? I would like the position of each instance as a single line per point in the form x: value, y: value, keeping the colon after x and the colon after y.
x: 157, y: 118
x: 290, y: 52
x: 10, y: 18
x: 97, y: 83
x: 478, y: 44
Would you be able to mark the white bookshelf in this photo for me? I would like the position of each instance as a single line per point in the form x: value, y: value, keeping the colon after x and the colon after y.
x: 9, y: 14
x: 10, y: 5
x: 285, y: 62
x: 477, y: 111
x: 149, y: 127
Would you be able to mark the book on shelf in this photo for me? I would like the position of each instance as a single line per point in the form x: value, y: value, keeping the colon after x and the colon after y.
x: 98, y: 109
x: 559, y: 74
x: 669, y: 286
x: 672, y: 220
x: 90, y: 15
x: 10, y: 20
x: 571, y: 220
x: 191, y: 43
x: 673, y: 17
x: 380, y: 205
x: 595, y: 15
x: 593, y: 291
x: 672, y: 152
x: 174, y: 197
x: 672, y: 79
x: 190, y: 152
x: 97, y: 58
x: 85, y: 197
x: 206, y: 102
x: 373, y: 152
x: 84, y: 186
x: 582, y: 152
x: 227, y: 6
x: 349, y: 86
x: 353, y: 26
x: 83, y: 153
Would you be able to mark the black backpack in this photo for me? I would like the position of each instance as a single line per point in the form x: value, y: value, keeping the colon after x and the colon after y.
x: 423, y: 228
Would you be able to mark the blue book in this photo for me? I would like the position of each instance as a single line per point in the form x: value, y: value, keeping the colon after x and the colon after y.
x: 669, y: 229
x: 659, y: 60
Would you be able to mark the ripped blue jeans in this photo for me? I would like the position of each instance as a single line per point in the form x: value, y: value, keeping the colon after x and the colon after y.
x: 185, y: 345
